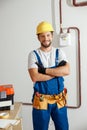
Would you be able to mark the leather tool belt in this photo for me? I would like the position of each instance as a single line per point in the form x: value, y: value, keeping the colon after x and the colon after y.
x: 41, y: 101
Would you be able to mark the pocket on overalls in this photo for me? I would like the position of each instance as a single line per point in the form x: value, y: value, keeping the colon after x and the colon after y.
x: 39, y: 104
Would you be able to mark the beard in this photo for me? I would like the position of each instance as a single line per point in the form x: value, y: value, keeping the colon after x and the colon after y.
x: 46, y: 46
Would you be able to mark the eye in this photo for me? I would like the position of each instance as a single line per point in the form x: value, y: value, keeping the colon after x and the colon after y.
x: 48, y: 35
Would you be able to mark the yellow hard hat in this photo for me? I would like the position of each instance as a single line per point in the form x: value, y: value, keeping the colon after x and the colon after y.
x: 44, y: 27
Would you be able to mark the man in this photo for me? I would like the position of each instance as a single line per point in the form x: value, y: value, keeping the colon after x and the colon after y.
x: 47, y: 65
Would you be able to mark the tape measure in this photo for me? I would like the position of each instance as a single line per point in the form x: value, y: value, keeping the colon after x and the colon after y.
x: 4, y: 115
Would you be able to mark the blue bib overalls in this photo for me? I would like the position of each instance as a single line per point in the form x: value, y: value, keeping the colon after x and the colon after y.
x: 41, y: 118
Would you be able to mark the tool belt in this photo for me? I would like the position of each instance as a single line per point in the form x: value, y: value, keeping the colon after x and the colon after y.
x: 41, y: 101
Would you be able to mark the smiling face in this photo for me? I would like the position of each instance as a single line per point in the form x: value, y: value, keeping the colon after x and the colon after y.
x: 45, y: 39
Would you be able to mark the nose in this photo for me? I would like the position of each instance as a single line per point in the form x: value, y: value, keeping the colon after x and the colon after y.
x: 45, y: 37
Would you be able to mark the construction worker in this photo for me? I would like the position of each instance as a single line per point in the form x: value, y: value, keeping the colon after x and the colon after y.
x: 47, y: 65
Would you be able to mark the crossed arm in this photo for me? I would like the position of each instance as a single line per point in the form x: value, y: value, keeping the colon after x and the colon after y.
x: 49, y: 73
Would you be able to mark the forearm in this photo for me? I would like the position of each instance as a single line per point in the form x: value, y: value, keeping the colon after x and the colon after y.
x: 36, y: 76
x: 59, y: 71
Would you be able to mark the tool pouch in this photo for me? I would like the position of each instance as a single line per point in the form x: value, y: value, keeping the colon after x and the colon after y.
x: 40, y: 104
x: 62, y: 100
x: 42, y: 101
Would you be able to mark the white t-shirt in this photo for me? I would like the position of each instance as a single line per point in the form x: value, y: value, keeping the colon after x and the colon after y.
x: 47, y: 58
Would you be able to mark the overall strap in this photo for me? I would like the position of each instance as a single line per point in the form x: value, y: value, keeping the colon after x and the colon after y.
x: 57, y: 54
x: 56, y: 59
x: 38, y: 57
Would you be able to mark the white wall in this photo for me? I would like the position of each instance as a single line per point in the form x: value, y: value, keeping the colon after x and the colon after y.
x: 18, y: 21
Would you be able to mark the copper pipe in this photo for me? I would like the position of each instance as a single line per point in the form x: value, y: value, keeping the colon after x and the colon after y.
x: 27, y: 104
x: 79, y: 66
x: 79, y: 3
x: 60, y: 14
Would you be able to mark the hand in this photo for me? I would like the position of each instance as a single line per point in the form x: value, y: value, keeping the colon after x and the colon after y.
x: 62, y: 63
x: 41, y: 69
